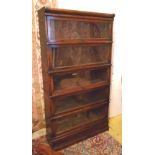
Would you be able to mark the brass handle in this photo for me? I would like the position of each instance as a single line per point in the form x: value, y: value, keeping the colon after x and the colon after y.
x: 74, y: 74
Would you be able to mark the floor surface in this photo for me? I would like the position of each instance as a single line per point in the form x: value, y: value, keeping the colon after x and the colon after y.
x: 115, y: 128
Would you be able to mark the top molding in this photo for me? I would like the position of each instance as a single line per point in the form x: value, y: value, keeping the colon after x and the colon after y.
x: 76, y: 12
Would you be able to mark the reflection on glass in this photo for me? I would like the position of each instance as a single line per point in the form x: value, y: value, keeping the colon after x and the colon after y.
x: 78, y: 55
x: 79, y: 79
x: 69, y: 102
x: 69, y: 29
x: 80, y: 119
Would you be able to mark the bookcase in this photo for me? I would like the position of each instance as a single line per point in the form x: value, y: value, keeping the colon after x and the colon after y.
x: 76, y: 48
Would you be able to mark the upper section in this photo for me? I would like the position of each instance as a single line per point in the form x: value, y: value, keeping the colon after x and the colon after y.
x: 76, y: 12
x: 65, y: 27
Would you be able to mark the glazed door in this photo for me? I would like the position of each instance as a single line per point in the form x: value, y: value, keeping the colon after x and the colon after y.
x: 60, y: 29
x: 71, y: 56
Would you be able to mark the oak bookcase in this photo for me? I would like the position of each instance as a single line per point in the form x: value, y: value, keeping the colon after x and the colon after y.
x: 76, y: 49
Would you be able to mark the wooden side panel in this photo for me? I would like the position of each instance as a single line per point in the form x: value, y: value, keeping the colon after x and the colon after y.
x: 46, y: 78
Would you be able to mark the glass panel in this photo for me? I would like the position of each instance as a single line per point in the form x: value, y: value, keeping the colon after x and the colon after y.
x: 66, y: 103
x: 70, y: 29
x: 78, y: 55
x: 81, y: 119
x: 79, y: 79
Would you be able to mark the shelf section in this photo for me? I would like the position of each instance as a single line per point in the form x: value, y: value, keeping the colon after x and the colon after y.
x: 79, y: 89
x: 83, y: 118
x: 80, y: 55
x: 80, y: 108
x: 80, y: 79
x: 60, y: 141
x: 63, y: 29
x: 61, y: 70
x: 78, y: 128
x: 80, y: 101
x: 84, y: 42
